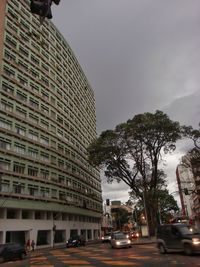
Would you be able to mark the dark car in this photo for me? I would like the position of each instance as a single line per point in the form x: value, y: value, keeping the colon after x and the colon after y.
x: 76, y: 241
x: 177, y: 237
x: 12, y: 251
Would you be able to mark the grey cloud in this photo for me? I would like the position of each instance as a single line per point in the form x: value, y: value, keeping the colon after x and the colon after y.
x: 139, y: 56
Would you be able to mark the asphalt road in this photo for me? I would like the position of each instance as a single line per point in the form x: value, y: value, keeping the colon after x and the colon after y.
x: 100, y: 255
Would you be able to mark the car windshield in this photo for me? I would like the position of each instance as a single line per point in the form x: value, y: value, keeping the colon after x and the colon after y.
x: 120, y: 236
x: 188, y: 230
x: 107, y: 234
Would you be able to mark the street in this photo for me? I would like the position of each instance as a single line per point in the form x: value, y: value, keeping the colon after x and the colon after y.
x: 103, y: 255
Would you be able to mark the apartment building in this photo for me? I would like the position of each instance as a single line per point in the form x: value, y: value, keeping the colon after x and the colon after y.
x: 48, y: 191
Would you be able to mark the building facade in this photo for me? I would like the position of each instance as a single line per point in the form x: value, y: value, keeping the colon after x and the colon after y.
x: 48, y: 191
x: 188, y: 180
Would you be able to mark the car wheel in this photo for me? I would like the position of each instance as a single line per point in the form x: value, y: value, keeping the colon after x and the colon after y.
x: 162, y: 249
x: 188, y: 249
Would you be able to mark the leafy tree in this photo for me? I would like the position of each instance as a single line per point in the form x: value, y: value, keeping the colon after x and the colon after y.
x: 120, y: 216
x: 166, y: 206
x: 131, y: 153
x: 193, y: 134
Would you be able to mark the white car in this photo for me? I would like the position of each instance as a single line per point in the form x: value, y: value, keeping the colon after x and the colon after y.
x: 120, y: 240
x: 106, y: 237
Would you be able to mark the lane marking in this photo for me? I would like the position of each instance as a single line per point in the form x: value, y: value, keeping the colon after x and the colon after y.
x: 121, y: 263
x: 73, y: 262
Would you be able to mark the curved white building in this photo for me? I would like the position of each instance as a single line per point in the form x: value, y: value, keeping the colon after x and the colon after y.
x: 48, y: 191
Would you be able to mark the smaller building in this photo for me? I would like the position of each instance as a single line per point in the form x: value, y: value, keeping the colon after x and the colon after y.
x: 188, y: 180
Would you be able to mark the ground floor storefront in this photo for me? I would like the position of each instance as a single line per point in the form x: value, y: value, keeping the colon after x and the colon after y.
x: 46, y: 230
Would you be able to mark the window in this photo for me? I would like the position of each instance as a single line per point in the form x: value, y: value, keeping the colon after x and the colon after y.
x: 23, y: 66
x: 44, y: 124
x: 33, y: 118
x: 34, y: 87
x: 35, y: 60
x: 9, y: 56
x: 53, y: 143
x: 54, y: 193
x: 53, y: 114
x: 44, y: 192
x: 23, y: 51
x: 61, y: 179
x: 34, y: 73
x: 19, y: 148
x: 20, y: 130
x: 4, y: 164
x: 59, y: 119
x: 53, y: 101
x: 19, y: 168
x: 24, y: 82
x: 33, y: 135
x: 6, y: 105
x: 59, y: 133
x: 9, y: 72
x: 18, y: 188
x: 60, y: 148
x: 32, y: 171
x: 44, y: 140
x: 5, y: 124
x: 21, y: 112
x: 32, y: 190
x: 45, y: 95
x: 11, y: 41
x: 44, y: 109
x: 7, y: 88
x: 33, y: 153
x: 33, y: 103
x: 53, y: 160
x: 52, y: 128
x: 61, y: 163
x: 44, y: 156
x: 44, y: 174
x: 5, y: 186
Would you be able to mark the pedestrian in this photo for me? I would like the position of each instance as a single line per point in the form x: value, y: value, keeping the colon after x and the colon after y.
x: 33, y: 245
x: 28, y: 245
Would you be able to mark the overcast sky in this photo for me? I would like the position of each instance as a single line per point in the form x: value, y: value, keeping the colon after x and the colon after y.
x: 139, y: 56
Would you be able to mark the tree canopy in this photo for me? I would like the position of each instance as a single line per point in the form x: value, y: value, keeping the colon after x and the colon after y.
x: 132, y: 151
x: 167, y: 206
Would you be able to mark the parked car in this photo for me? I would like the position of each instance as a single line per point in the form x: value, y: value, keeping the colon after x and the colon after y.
x: 76, y: 241
x: 106, y: 237
x: 10, y: 251
x: 177, y: 237
x: 120, y: 240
